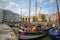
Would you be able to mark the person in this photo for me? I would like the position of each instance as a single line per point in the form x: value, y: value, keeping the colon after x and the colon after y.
x: 28, y: 29
x: 43, y: 27
x: 34, y: 29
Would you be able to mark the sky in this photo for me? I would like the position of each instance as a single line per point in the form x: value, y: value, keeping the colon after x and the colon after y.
x: 47, y: 6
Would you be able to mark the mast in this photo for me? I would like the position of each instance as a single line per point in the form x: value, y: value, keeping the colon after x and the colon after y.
x: 29, y: 9
x: 21, y: 14
x: 36, y: 10
x: 58, y: 11
x: 39, y: 12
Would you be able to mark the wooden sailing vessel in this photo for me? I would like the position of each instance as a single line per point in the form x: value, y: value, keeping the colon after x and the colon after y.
x: 31, y: 35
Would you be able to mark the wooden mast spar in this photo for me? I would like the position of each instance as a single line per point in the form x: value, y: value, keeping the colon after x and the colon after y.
x: 36, y: 14
x: 21, y: 15
x: 39, y: 15
x: 29, y: 10
x: 36, y: 10
x: 58, y: 11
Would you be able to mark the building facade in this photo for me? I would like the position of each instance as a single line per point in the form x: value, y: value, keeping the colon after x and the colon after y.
x: 8, y: 16
x: 1, y: 15
x: 49, y: 17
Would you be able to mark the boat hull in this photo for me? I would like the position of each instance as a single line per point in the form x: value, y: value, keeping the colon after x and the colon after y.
x: 30, y: 37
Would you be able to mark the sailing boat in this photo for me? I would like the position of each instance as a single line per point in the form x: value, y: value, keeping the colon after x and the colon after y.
x: 54, y: 33
x: 23, y: 34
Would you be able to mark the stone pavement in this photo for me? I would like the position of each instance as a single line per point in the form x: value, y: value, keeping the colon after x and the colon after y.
x: 6, y: 33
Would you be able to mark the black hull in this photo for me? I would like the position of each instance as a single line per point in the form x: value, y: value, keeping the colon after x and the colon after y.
x: 31, y: 35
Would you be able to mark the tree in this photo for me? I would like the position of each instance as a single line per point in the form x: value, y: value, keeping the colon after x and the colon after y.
x: 43, y: 17
x: 34, y: 18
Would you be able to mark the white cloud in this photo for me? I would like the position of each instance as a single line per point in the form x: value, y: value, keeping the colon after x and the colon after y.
x: 33, y: 13
x: 13, y: 7
x: 7, y: 4
x: 49, y: 2
x: 25, y: 12
x: 46, y: 3
x: 52, y: 1
x: 13, y: 4
x: 42, y: 11
x: 41, y: 1
x: 4, y: 0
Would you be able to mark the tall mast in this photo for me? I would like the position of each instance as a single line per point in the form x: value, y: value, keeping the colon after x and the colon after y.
x: 36, y: 10
x: 21, y: 14
x: 29, y: 9
x: 58, y: 11
x: 40, y: 12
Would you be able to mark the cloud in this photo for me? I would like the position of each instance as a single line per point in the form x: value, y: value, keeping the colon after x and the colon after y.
x: 46, y: 3
x: 25, y: 12
x: 51, y: 1
x: 33, y: 13
x: 4, y: 0
x: 6, y: 4
x: 9, y: 5
x: 13, y: 4
x: 43, y: 11
x: 41, y: 1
